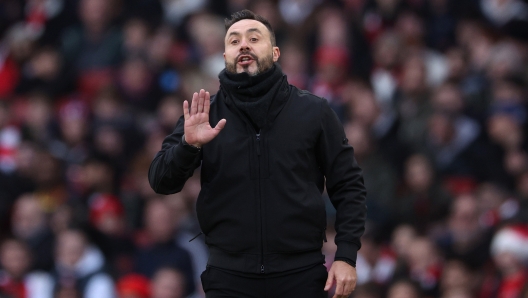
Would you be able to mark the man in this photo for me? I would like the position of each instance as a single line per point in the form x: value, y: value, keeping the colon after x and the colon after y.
x: 263, y: 169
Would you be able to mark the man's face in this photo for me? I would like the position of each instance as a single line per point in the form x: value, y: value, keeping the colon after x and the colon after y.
x: 248, y: 48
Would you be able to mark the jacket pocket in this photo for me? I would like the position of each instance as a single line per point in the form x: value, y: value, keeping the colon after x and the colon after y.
x: 299, y: 220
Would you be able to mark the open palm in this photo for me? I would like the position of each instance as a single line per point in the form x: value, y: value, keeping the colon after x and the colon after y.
x: 197, y: 129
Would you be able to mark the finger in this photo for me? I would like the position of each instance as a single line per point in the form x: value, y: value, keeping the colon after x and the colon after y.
x: 329, y: 280
x: 201, y: 98
x: 339, y: 289
x: 220, y: 125
x: 186, y: 110
x: 347, y: 288
x: 207, y: 102
x: 353, y: 285
x: 194, y: 104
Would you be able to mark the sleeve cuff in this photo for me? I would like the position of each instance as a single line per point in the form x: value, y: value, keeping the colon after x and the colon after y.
x: 186, y: 154
x: 347, y: 252
x: 348, y: 261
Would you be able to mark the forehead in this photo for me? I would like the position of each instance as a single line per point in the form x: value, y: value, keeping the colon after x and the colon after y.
x: 243, y: 25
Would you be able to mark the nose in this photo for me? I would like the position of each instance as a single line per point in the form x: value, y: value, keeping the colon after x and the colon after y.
x: 244, y: 45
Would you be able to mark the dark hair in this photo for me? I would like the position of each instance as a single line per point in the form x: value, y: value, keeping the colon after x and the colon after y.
x: 249, y: 15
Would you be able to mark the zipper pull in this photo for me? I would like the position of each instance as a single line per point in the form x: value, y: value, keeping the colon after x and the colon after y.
x: 196, y: 236
x: 258, y: 144
x: 261, y: 268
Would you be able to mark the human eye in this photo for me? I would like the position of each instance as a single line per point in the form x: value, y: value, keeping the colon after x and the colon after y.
x: 253, y: 39
x: 234, y: 41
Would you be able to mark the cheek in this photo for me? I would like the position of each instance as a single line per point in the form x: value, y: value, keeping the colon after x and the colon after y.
x: 229, y: 55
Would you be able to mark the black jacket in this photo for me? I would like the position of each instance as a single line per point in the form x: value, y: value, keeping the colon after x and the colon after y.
x: 260, y: 206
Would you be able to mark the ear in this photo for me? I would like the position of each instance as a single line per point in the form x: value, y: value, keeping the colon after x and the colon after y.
x: 224, y: 56
x: 276, y: 54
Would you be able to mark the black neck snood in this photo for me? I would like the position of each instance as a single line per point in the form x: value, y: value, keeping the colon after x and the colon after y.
x: 253, y: 95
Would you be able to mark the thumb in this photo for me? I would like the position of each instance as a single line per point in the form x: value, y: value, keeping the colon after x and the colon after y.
x: 220, y: 125
x: 329, y: 280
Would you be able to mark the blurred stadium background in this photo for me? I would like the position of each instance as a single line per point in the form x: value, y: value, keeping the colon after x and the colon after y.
x: 432, y: 95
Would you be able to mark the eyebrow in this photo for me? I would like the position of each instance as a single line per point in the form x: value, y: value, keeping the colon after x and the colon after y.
x: 248, y: 30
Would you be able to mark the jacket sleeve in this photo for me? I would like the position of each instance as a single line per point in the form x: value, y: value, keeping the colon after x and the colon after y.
x: 344, y: 184
x: 173, y: 164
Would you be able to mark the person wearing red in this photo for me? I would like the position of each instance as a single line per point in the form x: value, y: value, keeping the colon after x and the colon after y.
x: 509, y: 249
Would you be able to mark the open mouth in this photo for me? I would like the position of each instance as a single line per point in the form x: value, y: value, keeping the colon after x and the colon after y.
x: 245, y: 59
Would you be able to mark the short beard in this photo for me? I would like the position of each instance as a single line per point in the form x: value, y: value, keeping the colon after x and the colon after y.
x: 262, y: 65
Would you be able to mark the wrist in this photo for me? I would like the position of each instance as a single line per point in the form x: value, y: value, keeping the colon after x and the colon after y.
x: 348, y: 261
x: 193, y: 146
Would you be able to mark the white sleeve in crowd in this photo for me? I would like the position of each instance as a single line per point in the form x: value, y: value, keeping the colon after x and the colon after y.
x: 100, y: 286
x: 39, y: 285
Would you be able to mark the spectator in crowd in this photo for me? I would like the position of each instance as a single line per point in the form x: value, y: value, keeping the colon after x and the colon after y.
x: 29, y: 224
x: 38, y: 119
x: 293, y: 65
x: 379, y: 118
x: 136, y: 33
x: 387, y: 54
x: 451, y: 136
x: 464, y: 237
x: 207, y: 36
x: 72, y: 140
x: 95, y: 33
x: 169, y: 282
x: 170, y: 109
x: 80, y: 268
x: 458, y: 279
x: 495, y: 205
x: 16, y: 278
x: 331, y: 58
x: 158, y: 247
x: 424, y: 200
x: 510, y: 254
x: 11, y: 184
x: 412, y: 100
x: 425, y: 265
x: 110, y: 233
x: 43, y: 73
x: 376, y: 263
x: 94, y: 48
x: 136, y: 84
x: 380, y: 178
x: 457, y: 293
x: 404, y: 288
x: 368, y: 290
x: 97, y: 175
x: 401, y: 239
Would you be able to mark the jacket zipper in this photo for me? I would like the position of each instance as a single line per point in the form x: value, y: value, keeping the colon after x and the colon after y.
x: 260, y: 208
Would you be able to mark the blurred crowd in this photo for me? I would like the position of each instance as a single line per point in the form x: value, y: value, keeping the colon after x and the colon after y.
x: 432, y: 95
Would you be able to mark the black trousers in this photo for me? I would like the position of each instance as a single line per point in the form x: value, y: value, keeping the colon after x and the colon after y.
x: 308, y: 283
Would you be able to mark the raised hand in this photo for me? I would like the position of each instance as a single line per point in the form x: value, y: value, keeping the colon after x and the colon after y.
x: 197, y: 129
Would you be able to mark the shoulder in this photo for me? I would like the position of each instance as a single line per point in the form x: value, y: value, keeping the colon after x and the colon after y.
x: 306, y: 96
